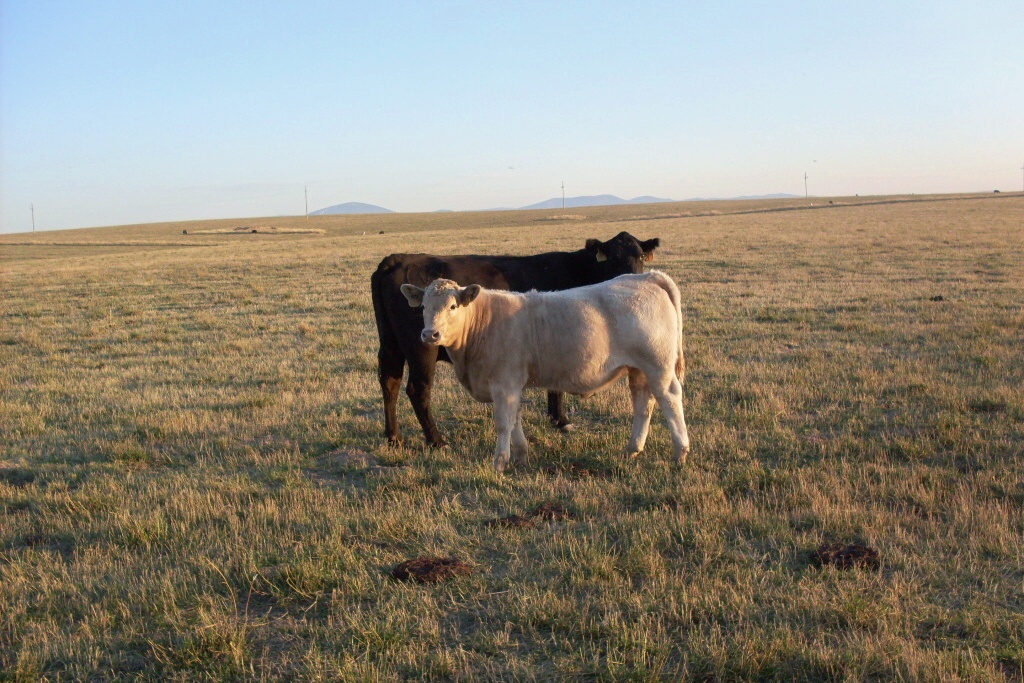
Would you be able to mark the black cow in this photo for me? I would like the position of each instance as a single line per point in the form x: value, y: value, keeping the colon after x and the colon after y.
x: 399, y: 325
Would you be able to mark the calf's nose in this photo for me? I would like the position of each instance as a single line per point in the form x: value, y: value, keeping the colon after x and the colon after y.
x: 430, y: 336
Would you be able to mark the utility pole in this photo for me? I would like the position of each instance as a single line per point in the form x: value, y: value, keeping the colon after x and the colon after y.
x: 563, y: 194
x: 306, y: 191
x: 805, y: 186
x: 33, y: 206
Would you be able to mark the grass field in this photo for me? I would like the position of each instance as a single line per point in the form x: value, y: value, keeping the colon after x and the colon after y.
x: 193, y: 483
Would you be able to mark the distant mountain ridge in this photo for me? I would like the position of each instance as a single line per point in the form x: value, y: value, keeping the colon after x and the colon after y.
x: 350, y: 207
x: 781, y: 195
x: 591, y: 200
x: 553, y: 203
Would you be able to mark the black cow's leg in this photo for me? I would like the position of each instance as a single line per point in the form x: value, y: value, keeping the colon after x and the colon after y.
x: 390, y: 367
x: 421, y: 379
x: 556, y: 411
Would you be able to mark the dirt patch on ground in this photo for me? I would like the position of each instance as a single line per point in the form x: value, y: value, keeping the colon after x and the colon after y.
x: 549, y: 511
x: 17, y: 476
x: 986, y: 405
x: 512, y: 522
x: 335, y: 467
x: 348, y: 458
x: 431, y: 569
x: 577, y: 469
x: 552, y: 512
x: 847, y: 556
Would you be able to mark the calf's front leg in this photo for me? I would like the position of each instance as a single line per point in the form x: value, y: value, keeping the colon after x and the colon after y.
x: 507, y: 424
x: 520, y: 446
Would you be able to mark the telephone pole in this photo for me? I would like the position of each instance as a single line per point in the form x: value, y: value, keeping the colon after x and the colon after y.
x: 33, y: 207
x: 805, y: 186
x: 306, y: 192
x: 563, y: 194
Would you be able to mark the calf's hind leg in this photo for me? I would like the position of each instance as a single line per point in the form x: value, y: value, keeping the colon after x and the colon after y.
x: 643, y: 402
x: 668, y: 390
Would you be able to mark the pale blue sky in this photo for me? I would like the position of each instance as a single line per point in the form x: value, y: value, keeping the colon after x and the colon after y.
x: 124, y: 112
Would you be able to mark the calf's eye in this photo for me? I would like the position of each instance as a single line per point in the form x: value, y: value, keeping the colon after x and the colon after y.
x: 452, y: 307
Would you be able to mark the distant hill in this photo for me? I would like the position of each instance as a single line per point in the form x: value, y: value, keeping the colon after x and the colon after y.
x: 553, y: 203
x: 593, y: 200
x: 350, y: 207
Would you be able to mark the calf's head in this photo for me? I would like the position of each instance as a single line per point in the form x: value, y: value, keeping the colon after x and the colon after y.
x: 621, y: 255
x: 443, y: 304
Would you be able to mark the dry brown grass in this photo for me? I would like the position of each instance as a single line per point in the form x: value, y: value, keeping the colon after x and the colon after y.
x: 180, y: 500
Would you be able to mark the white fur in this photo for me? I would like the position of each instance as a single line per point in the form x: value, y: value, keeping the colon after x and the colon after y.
x: 578, y: 341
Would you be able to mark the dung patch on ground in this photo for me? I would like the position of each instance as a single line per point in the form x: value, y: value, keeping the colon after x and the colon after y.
x: 847, y: 556
x: 431, y: 569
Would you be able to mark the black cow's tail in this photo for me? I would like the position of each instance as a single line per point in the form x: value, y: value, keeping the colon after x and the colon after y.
x: 385, y: 332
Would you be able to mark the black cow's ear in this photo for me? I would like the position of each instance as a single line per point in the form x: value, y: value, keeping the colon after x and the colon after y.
x: 414, y: 295
x: 649, y: 246
x: 469, y: 294
x: 597, y: 249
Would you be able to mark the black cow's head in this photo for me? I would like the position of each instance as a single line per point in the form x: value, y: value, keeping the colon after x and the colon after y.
x: 620, y: 255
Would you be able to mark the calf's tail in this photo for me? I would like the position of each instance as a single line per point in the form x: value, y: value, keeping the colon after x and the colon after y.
x: 670, y: 287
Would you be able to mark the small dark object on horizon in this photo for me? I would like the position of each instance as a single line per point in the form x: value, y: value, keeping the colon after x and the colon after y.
x: 184, y: 232
x: 847, y: 556
x: 938, y: 297
x: 430, y: 569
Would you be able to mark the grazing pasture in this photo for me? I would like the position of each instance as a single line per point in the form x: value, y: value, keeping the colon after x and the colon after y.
x: 194, y: 483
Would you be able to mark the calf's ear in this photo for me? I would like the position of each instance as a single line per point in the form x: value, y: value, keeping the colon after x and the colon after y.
x: 649, y: 246
x: 414, y: 294
x: 468, y: 294
x: 595, y: 248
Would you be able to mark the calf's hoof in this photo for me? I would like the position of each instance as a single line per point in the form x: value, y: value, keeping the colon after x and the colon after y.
x: 501, y: 463
x: 630, y: 454
x: 682, y: 456
x: 437, y: 444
